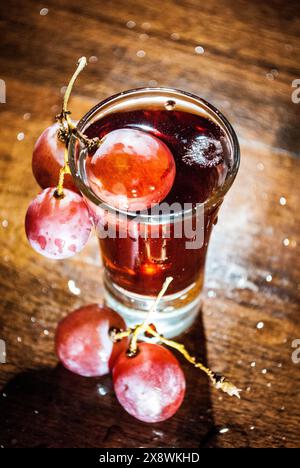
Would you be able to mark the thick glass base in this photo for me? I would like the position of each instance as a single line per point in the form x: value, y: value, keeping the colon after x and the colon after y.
x: 175, y: 312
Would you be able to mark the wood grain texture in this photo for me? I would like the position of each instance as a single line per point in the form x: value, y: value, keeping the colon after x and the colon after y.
x: 251, y: 56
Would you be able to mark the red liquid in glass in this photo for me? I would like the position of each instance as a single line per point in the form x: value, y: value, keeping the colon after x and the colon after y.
x: 202, y: 158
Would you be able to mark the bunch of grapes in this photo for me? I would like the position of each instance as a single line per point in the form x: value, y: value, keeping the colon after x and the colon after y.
x: 148, y: 380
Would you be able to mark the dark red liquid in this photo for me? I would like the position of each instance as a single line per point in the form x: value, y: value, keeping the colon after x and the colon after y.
x: 202, y: 158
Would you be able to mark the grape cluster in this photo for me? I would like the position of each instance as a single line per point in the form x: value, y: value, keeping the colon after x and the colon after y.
x: 149, y: 384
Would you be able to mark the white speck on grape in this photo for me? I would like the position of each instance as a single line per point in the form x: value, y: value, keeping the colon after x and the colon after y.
x: 73, y: 288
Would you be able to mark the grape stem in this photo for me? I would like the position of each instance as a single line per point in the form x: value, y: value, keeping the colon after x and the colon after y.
x: 219, y: 381
x: 143, y: 327
x: 67, y: 128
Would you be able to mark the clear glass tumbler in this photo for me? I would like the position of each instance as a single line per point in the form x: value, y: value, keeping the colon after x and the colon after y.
x: 140, y: 251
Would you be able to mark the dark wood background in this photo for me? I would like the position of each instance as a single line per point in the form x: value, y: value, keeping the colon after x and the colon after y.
x: 251, y: 56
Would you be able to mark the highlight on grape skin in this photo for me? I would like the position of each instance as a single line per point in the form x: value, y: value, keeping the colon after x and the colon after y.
x: 48, y: 159
x: 82, y: 341
x: 131, y: 170
x: 151, y: 385
x: 58, y: 228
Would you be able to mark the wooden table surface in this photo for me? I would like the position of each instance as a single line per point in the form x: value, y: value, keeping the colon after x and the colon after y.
x: 251, y: 56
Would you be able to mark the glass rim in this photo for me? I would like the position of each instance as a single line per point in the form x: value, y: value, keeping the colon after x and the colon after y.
x: 211, y: 202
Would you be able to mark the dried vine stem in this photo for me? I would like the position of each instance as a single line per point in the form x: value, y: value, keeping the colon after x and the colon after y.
x: 144, y: 326
x: 67, y: 128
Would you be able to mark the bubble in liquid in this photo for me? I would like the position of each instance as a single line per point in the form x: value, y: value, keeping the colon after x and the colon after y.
x: 141, y: 53
x: 20, y: 136
x: 286, y: 242
x: 260, y: 325
x: 170, y: 105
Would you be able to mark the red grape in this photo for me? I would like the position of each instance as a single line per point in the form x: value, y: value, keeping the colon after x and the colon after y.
x: 58, y: 227
x: 48, y: 159
x: 82, y: 341
x: 131, y: 170
x: 151, y: 385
